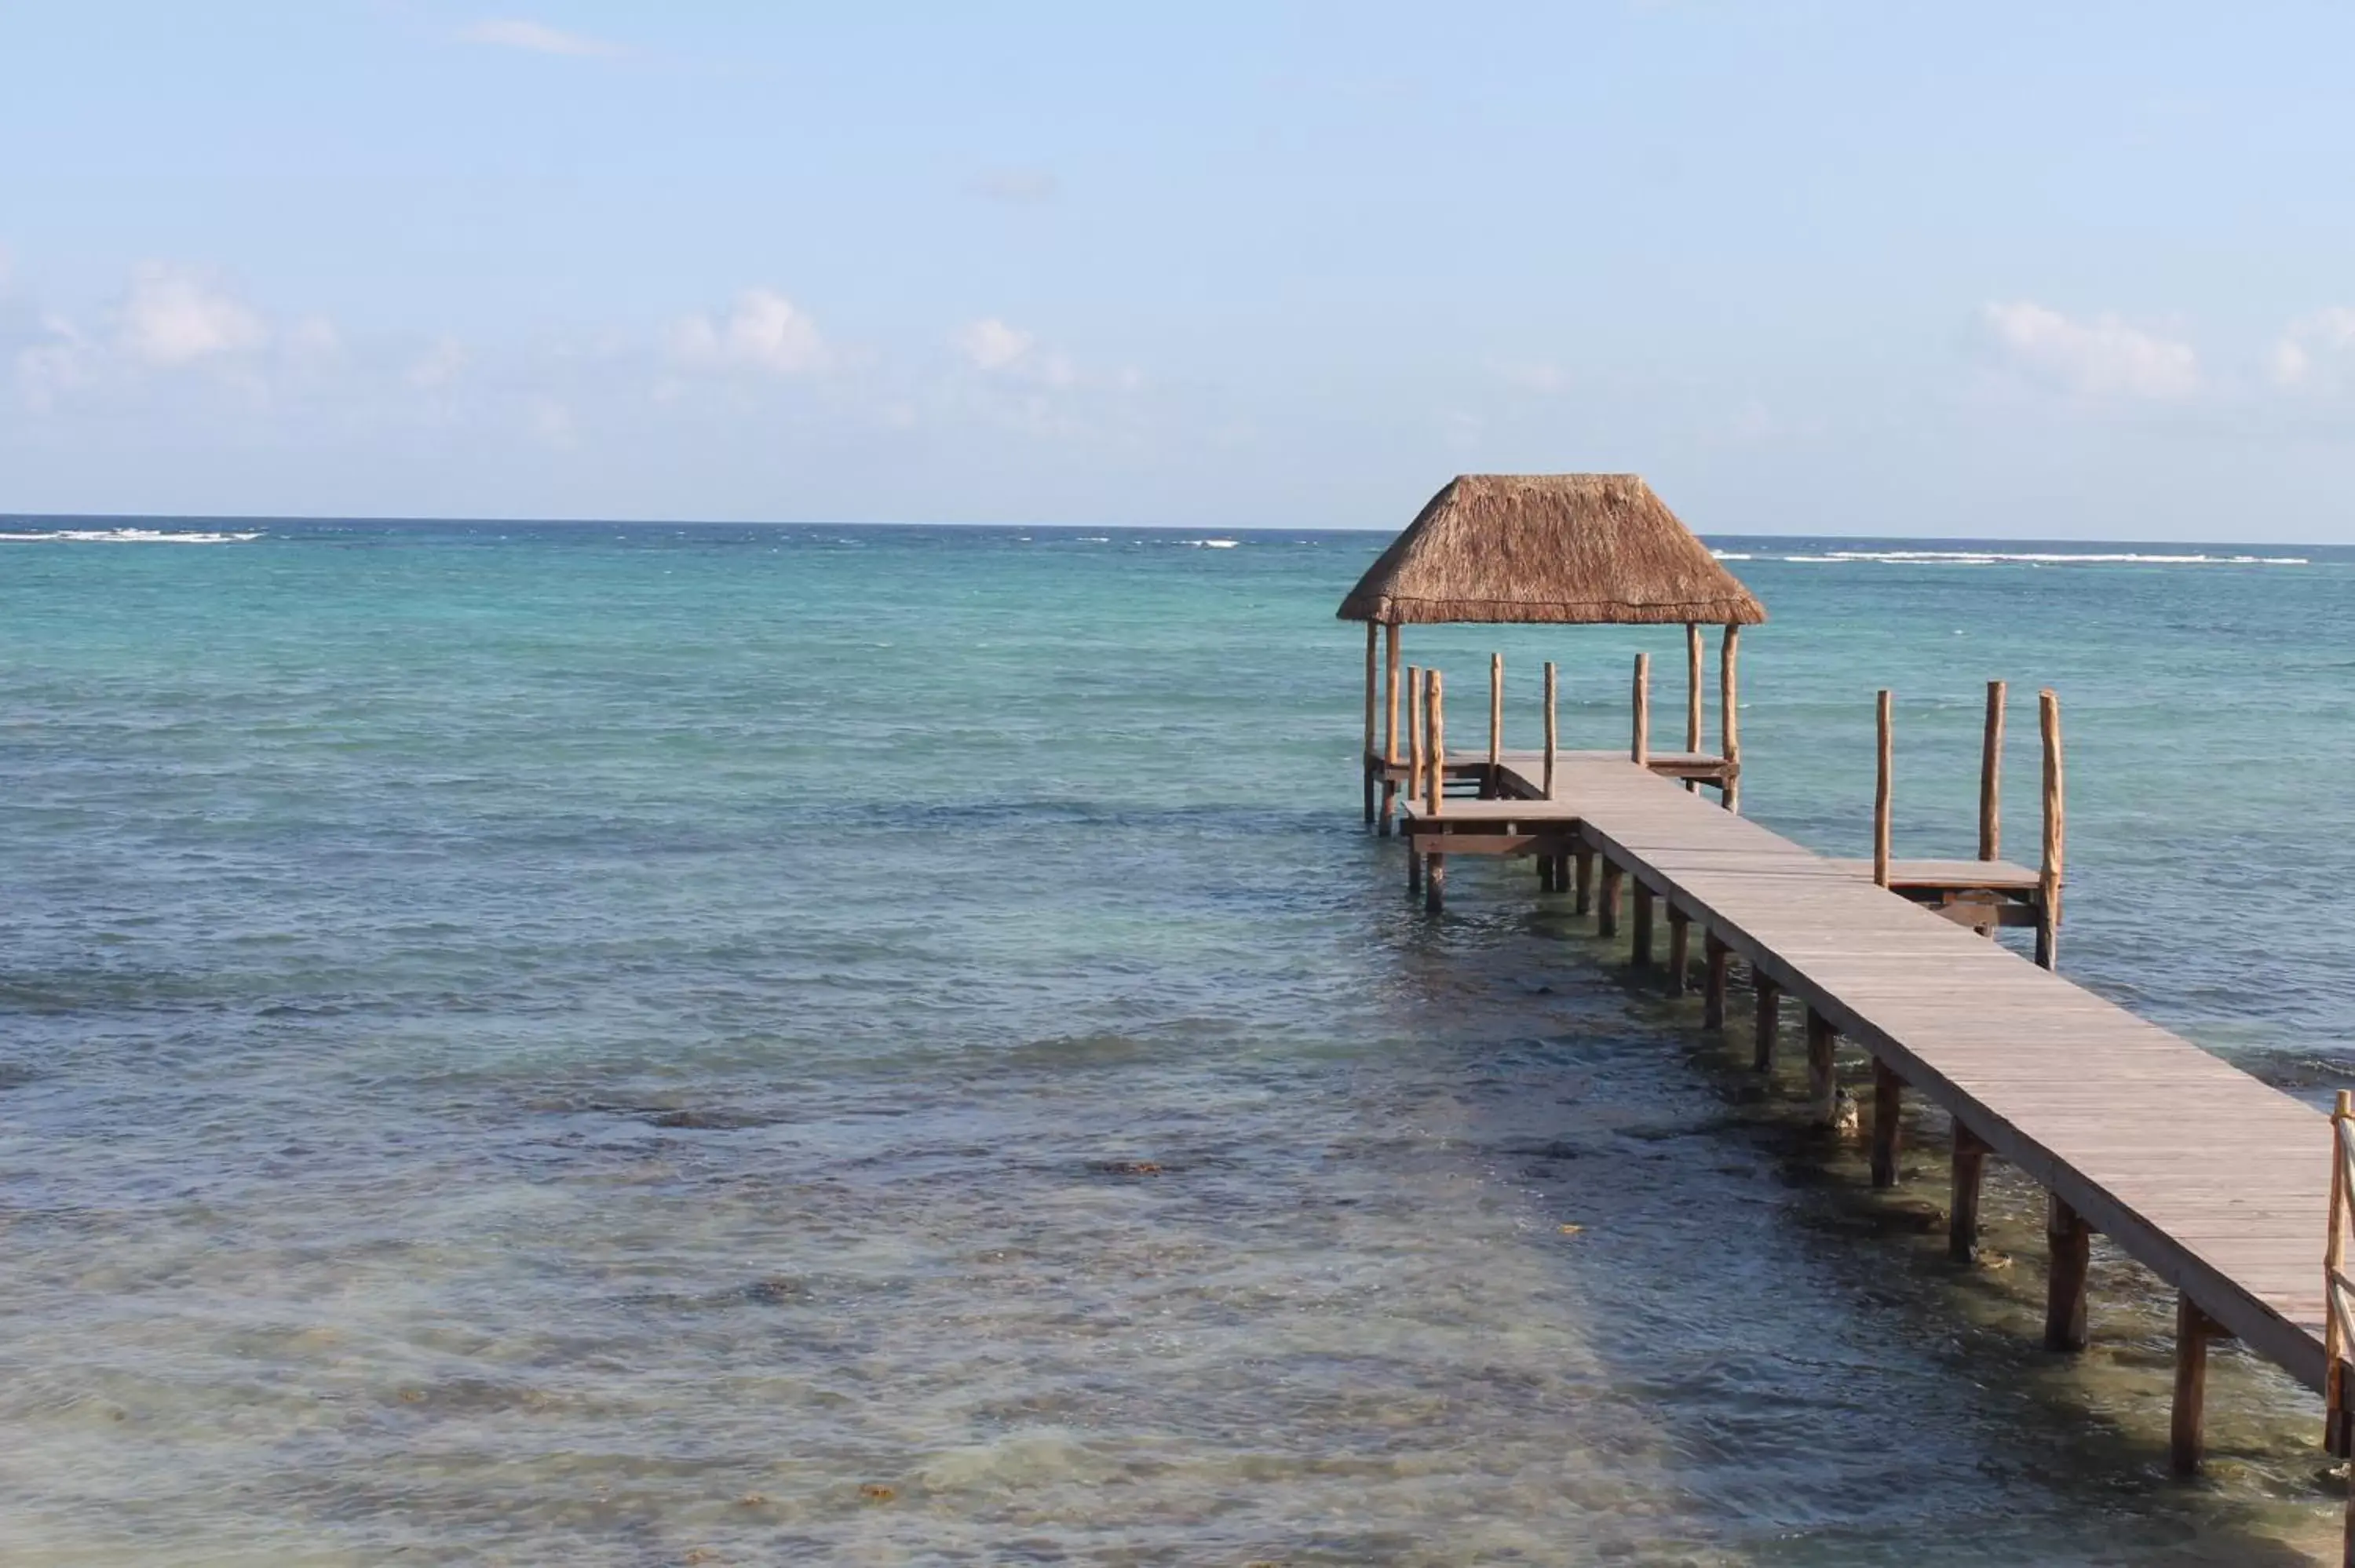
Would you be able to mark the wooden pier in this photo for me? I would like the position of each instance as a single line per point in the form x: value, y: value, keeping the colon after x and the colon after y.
x: 2235, y: 1195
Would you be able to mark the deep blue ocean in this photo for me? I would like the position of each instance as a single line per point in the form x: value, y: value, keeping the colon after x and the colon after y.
x: 639, y: 1045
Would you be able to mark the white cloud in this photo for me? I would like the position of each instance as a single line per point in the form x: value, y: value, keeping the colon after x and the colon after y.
x: 438, y: 365
x: 2316, y: 353
x: 171, y: 317
x: 513, y: 33
x: 2102, y: 357
x: 765, y: 331
x: 61, y: 361
x: 991, y: 344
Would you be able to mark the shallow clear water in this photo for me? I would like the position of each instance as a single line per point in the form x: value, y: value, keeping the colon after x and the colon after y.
x: 596, y: 1044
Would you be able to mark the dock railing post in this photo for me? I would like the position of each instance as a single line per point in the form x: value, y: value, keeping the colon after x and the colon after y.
x: 1553, y: 734
x: 1881, y: 802
x: 1693, y: 696
x: 1728, y: 720
x: 2338, y: 1432
x: 2048, y: 880
x: 1639, y: 749
x: 1434, y: 876
x: 1991, y: 776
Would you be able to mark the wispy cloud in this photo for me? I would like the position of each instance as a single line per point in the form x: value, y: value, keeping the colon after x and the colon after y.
x: 2316, y: 353
x: 539, y: 37
x: 173, y: 316
x: 2100, y: 357
x: 1019, y: 187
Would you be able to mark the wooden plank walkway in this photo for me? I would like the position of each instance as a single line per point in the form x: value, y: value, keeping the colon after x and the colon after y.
x: 2216, y: 1182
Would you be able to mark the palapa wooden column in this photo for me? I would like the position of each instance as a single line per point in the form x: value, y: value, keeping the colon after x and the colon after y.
x: 1434, y: 716
x: 2071, y: 1241
x: 1692, y: 696
x: 1963, y: 1209
x: 1373, y: 697
x: 1881, y: 804
x: 1991, y: 776
x: 1729, y: 718
x: 1414, y: 741
x: 1639, y: 749
x: 1888, y: 1122
x: 2048, y: 880
x: 1390, y: 722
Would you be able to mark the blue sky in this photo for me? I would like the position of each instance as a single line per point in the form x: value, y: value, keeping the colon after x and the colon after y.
x: 1991, y: 269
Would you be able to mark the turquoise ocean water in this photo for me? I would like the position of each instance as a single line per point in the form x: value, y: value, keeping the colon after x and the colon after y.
x: 638, y: 1045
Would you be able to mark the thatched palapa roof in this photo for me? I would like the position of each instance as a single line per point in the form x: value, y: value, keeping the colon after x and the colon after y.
x: 1578, y: 549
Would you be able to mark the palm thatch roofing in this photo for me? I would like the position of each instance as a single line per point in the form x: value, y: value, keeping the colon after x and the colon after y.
x: 1565, y: 548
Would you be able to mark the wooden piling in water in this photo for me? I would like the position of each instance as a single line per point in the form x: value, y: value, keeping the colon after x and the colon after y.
x: 1823, y: 1082
x: 1888, y: 1122
x: 1881, y: 802
x: 2186, y: 1440
x: 1729, y: 718
x: 2069, y: 1240
x: 1963, y: 1204
x: 1769, y: 1023
x: 2048, y: 880
x: 1640, y: 952
x: 1606, y: 912
x: 1991, y: 776
x: 1583, y: 881
x: 1679, y: 951
x: 1640, y: 747
x: 1716, y: 961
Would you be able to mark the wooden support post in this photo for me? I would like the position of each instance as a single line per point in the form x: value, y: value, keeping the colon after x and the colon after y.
x: 1552, y: 734
x: 1692, y: 696
x: 1413, y: 867
x: 1770, y: 1021
x: 1434, y: 716
x: 1715, y: 956
x: 1888, y: 1122
x: 1606, y: 913
x: 1679, y: 951
x: 1641, y: 946
x: 2338, y: 1423
x: 2185, y: 1442
x: 1991, y: 776
x: 1390, y: 725
x: 1881, y: 809
x: 2071, y: 1239
x: 1391, y: 697
x: 1823, y: 1084
x: 1963, y: 1208
x: 2048, y: 880
x: 1495, y: 721
x: 1582, y: 882
x: 1639, y: 749
x: 1545, y: 873
x: 1729, y: 718
x: 1373, y: 656
x: 1414, y: 735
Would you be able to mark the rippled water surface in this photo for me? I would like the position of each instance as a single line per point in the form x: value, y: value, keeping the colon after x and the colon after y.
x: 631, y: 1045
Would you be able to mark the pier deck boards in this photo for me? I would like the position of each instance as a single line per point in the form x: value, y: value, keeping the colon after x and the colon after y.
x: 2215, y: 1181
